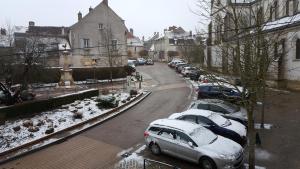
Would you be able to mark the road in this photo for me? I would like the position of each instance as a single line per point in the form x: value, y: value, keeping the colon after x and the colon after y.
x: 99, y: 146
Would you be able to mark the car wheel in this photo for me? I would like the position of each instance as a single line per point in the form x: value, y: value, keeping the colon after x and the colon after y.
x: 207, y: 163
x: 155, y: 149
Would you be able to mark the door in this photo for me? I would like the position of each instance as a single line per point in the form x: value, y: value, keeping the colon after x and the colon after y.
x: 184, y: 150
x: 166, y: 141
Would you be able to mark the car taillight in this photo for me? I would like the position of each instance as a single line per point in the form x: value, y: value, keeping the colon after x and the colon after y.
x: 146, y: 134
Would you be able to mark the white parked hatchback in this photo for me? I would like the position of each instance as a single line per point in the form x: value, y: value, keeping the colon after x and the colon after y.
x: 193, y: 143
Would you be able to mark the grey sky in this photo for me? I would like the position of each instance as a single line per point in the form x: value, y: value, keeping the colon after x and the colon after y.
x: 144, y: 16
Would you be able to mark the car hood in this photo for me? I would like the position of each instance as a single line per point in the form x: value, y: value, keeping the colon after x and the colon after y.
x: 237, y: 127
x: 225, y: 148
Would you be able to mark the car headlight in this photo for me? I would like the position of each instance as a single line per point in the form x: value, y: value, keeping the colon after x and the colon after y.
x: 227, y: 157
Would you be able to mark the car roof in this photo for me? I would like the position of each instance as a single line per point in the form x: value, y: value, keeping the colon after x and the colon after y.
x: 176, y: 124
x: 199, y: 112
x: 216, y: 101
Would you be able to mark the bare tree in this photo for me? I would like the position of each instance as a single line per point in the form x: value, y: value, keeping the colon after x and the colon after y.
x: 241, y: 40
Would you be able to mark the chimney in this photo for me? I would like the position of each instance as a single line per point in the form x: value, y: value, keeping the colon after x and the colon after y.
x: 63, y: 31
x: 79, y: 16
x: 131, y: 31
x: 191, y: 33
x: 105, y: 2
x: 31, y: 23
x: 143, y: 38
x: 90, y: 9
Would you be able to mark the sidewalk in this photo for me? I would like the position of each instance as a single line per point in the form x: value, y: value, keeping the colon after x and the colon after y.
x: 280, y: 145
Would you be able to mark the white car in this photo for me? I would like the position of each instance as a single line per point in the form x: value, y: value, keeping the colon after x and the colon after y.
x: 193, y: 143
x: 219, y: 125
x: 187, y: 70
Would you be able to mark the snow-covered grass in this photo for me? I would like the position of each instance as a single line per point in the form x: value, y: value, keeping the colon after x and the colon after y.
x: 22, y: 131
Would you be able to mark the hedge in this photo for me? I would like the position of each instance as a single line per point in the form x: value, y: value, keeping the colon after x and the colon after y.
x: 37, y: 74
x: 31, y: 108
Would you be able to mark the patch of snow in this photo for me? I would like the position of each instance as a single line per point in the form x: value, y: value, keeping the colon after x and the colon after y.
x: 262, y: 154
x: 256, y: 167
x: 59, y: 119
x: 266, y: 126
x: 142, y: 148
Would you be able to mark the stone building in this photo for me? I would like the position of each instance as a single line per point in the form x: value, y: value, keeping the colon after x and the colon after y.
x: 99, y: 38
x: 171, y: 42
x: 134, y: 45
x: 277, y: 18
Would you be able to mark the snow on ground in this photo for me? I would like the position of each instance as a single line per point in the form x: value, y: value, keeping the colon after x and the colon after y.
x: 266, y: 126
x: 22, y: 131
x: 256, y: 167
x: 262, y: 154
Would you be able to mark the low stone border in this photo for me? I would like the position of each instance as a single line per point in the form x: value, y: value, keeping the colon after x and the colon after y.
x: 17, y: 151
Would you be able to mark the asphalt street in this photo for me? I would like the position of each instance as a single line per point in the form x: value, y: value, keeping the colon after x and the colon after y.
x: 100, y: 146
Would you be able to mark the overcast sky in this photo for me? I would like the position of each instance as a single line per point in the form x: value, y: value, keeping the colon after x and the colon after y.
x: 144, y: 16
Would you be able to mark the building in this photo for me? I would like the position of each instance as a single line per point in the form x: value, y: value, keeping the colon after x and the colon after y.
x: 279, y: 22
x: 134, y: 45
x: 47, y: 41
x: 172, y: 43
x: 99, y: 38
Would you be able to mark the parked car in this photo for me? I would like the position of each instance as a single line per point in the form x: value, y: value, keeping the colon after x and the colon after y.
x: 141, y: 61
x: 208, y: 78
x: 174, y: 62
x: 187, y: 70
x: 149, y: 62
x: 181, y: 66
x: 195, y: 74
x: 224, y: 108
x: 193, y: 143
x: 219, y: 91
x: 217, y: 124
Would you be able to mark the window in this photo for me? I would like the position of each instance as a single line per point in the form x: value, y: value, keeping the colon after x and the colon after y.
x: 216, y: 108
x: 205, y: 121
x: 214, y: 89
x: 86, y: 43
x: 100, y: 26
x: 295, y: 6
x: 183, y: 138
x: 203, y: 106
x: 154, y: 129
x: 190, y: 118
x: 167, y: 133
x: 287, y: 8
x: 298, y: 49
x: 276, y: 9
x: 114, y: 44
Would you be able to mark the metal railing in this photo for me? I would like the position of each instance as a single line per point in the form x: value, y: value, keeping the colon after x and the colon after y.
x: 152, y: 164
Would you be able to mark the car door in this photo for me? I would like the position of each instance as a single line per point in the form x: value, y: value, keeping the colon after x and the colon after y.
x: 184, y: 150
x: 215, y: 92
x: 166, y: 141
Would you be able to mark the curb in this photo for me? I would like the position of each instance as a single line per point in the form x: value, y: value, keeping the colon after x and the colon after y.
x: 109, y: 115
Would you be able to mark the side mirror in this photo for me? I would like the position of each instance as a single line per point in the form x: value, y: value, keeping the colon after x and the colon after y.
x: 191, y: 144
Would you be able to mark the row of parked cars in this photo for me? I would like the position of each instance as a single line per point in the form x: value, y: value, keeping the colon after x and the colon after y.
x: 211, y: 133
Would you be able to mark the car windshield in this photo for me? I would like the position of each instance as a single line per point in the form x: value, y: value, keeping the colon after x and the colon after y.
x: 219, y: 120
x: 231, y: 107
x: 203, y: 136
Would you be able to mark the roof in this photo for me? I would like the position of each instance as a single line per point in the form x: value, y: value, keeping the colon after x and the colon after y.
x: 48, y: 30
x: 177, y: 124
x: 98, y: 6
x: 209, y: 101
x: 283, y: 22
x: 200, y: 112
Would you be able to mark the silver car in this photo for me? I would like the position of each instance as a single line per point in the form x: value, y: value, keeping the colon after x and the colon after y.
x: 193, y: 143
x: 224, y: 108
